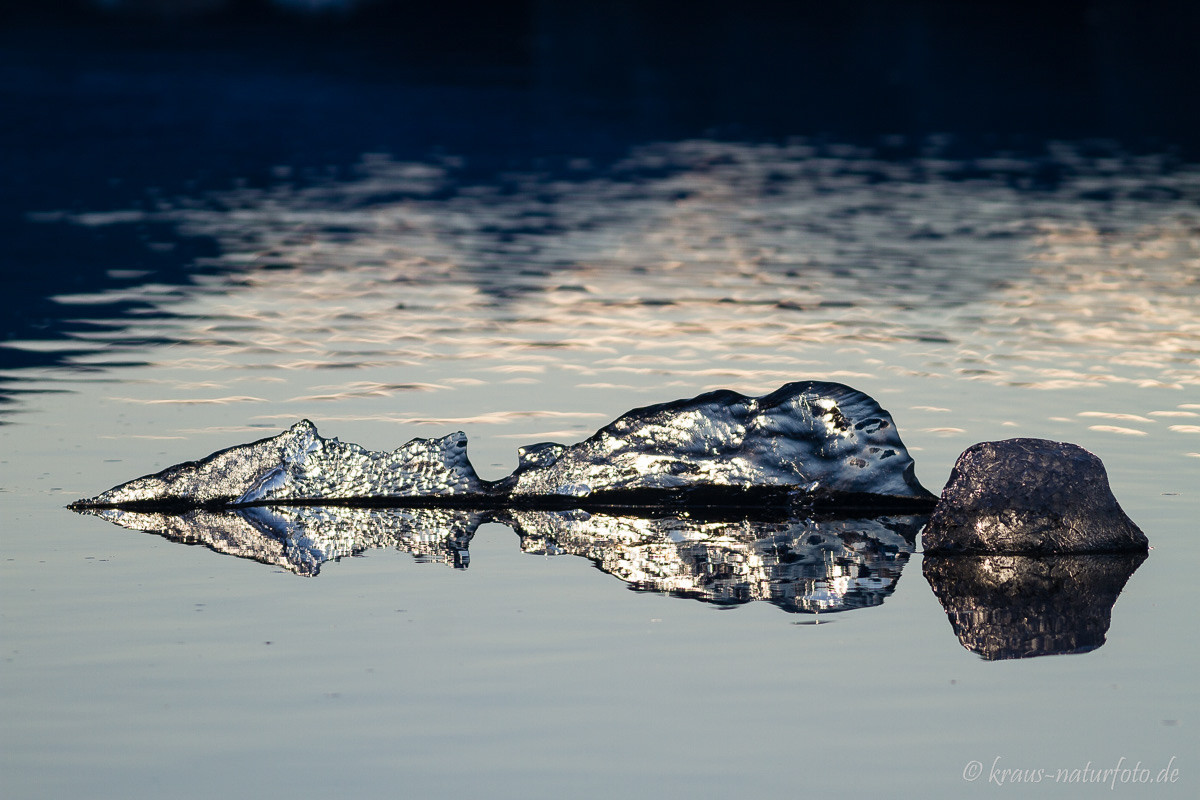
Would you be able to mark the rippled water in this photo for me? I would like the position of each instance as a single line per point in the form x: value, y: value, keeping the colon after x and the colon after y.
x: 976, y: 299
x: 688, y: 265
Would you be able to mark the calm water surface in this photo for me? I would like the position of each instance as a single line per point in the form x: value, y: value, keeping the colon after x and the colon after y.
x: 975, y: 299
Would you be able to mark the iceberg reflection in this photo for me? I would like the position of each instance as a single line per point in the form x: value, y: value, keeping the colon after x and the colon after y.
x: 301, y: 539
x: 800, y: 565
x: 1000, y: 606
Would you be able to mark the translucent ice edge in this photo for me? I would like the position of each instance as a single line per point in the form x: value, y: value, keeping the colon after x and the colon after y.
x: 809, y: 443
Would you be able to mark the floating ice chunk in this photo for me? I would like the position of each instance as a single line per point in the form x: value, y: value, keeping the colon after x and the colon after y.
x: 217, y: 480
x: 804, y: 443
x: 327, y: 469
x: 812, y: 438
x: 299, y: 465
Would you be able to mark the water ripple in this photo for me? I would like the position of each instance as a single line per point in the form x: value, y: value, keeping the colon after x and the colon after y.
x: 696, y: 263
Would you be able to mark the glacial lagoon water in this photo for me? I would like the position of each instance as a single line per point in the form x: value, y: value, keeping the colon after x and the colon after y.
x: 973, y: 299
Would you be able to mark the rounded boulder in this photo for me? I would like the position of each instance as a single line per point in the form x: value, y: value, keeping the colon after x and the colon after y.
x: 1031, y: 497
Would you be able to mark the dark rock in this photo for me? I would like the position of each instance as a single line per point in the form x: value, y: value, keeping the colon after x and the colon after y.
x: 1033, y: 497
x: 1010, y: 606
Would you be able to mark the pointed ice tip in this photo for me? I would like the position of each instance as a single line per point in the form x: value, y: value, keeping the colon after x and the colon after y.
x: 304, y: 426
x: 213, y: 481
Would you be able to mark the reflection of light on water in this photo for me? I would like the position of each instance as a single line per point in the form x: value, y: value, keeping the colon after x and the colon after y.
x: 1120, y: 306
x: 693, y: 264
x: 1117, y: 429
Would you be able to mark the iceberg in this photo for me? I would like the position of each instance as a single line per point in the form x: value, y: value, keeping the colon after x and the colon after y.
x: 299, y: 466
x: 805, y: 441
x: 810, y: 444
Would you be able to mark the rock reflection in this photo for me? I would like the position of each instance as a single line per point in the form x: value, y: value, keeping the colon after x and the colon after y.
x: 1004, y: 606
x: 800, y: 565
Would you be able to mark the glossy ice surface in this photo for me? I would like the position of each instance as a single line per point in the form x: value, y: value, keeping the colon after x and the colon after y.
x: 299, y: 464
x: 812, y: 437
